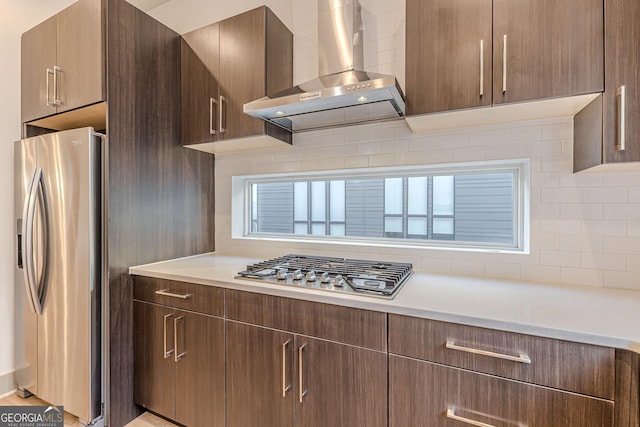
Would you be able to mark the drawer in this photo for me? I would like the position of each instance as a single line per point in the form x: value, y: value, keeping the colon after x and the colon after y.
x: 363, y: 328
x: 424, y: 394
x: 581, y: 368
x: 187, y: 296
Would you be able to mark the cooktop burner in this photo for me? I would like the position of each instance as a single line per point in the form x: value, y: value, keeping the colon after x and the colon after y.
x: 375, y: 278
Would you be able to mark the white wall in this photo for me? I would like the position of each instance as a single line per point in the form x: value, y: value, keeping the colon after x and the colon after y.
x: 15, y: 18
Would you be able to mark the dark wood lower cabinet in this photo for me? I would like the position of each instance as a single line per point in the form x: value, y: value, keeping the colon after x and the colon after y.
x: 341, y: 385
x: 260, y: 376
x: 179, y: 364
x: 277, y: 379
x: 431, y: 395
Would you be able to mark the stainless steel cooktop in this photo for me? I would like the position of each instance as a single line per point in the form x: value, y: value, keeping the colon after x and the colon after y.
x: 372, y: 278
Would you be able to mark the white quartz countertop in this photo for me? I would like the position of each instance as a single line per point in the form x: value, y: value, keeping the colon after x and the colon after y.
x: 575, y: 313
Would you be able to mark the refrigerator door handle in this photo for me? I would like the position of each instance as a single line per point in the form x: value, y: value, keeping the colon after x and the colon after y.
x: 36, y: 190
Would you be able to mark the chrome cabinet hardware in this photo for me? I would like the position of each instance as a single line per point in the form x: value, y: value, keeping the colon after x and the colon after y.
x: 166, y: 293
x: 212, y: 107
x: 301, y: 391
x: 56, y: 70
x: 222, y: 113
x: 504, y: 64
x: 176, y: 354
x: 521, y: 358
x: 167, y: 353
x: 285, y: 387
x: 48, y: 89
x: 621, y: 95
x: 451, y: 414
x: 481, y: 67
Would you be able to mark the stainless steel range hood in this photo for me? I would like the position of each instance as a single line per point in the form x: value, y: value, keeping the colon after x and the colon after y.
x: 343, y: 95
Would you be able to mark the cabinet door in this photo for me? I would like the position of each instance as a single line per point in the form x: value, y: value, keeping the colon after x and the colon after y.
x: 553, y: 48
x: 154, y: 367
x: 423, y: 394
x: 38, y: 50
x: 260, y: 375
x: 80, y: 55
x: 450, y: 62
x: 242, y: 72
x: 199, y: 369
x: 200, y: 62
x: 621, y: 69
x: 340, y: 385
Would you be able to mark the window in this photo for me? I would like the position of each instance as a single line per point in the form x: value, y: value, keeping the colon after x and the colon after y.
x: 474, y: 206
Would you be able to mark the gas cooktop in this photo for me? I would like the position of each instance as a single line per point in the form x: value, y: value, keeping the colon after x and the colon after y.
x: 373, y: 278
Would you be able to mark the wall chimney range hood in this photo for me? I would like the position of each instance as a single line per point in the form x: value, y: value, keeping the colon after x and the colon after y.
x: 343, y: 94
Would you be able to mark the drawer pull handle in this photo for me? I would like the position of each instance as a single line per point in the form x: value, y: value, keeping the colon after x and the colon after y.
x: 166, y: 293
x: 451, y: 413
x: 521, y: 358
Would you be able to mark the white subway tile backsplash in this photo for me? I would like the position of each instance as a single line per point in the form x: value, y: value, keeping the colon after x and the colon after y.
x: 584, y: 228
x: 605, y: 195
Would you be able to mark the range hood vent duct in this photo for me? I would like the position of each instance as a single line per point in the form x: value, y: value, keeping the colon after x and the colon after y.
x: 343, y: 94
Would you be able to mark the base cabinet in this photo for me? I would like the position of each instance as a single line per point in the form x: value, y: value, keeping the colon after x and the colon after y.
x: 425, y: 394
x: 179, y: 364
x: 279, y: 379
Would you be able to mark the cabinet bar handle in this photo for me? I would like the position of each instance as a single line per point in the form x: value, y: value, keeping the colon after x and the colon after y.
x: 621, y: 94
x: 212, y: 106
x: 481, y: 67
x: 301, y: 391
x: 49, y: 103
x: 167, y: 353
x: 451, y: 413
x: 285, y: 386
x: 56, y: 70
x: 176, y: 355
x: 504, y: 64
x: 522, y: 358
x: 222, y: 113
x: 166, y: 293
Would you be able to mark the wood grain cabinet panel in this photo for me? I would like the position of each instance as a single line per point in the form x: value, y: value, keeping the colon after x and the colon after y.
x: 449, y: 66
x: 179, y: 369
x: 424, y: 394
x: 580, y: 368
x: 341, y: 385
x: 230, y: 63
x: 187, y: 296
x: 606, y: 132
x: 531, y: 50
x: 260, y: 376
x: 71, y: 46
x: 553, y: 48
x: 347, y: 325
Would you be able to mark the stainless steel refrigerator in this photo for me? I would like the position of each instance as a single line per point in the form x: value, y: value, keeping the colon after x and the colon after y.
x: 59, y: 270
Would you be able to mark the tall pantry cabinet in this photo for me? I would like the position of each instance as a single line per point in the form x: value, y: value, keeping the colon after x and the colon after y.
x: 159, y: 195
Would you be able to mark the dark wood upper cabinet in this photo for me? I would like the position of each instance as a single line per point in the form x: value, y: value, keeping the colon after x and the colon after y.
x: 531, y: 50
x: 226, y: 65
x: 606, y: 132
x: 199, y: 96
x: 546, y: 49
x: 66, y: 55
x: 449, y: 67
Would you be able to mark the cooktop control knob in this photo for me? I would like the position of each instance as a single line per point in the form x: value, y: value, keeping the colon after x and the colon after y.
x: 311, y: 276
x: 338, y: 281
x: 324, y: 277
x: 281, y: 274
x: 297, y: 275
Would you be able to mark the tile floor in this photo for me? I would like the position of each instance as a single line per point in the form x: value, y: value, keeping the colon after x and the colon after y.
x: 144, y: 420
